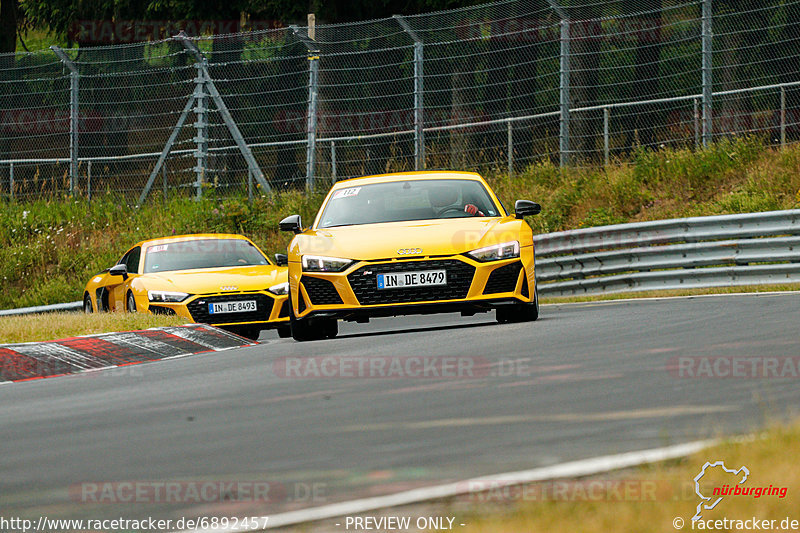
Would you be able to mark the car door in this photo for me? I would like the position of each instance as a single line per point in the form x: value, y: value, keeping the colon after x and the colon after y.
x: 113, y: 289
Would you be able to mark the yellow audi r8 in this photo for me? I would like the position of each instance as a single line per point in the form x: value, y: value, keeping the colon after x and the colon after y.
x: 410, y: 243
x: 218, y: 279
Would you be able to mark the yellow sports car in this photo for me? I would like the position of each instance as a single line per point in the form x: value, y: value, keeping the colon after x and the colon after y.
x: 224, y: 280
x: 410, y: 243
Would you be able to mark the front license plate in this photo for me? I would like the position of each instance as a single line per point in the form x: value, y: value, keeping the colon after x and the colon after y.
x: 402, y: 280
x: 231, y: 307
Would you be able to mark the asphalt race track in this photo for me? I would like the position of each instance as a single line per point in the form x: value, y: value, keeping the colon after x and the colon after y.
x: 585, y: 380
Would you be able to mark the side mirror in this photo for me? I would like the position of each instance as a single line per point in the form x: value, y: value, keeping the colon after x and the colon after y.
x: 291, y: 223
x: 281, y: 259
x: 119, y: 270
x: 525, y: 208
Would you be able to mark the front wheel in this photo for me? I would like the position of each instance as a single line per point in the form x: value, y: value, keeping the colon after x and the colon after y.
x: 522, y: 312
x: 131, y: 303
x: 313, y: 329
x: 87, y: 304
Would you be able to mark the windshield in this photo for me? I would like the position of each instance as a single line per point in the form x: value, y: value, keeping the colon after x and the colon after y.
x: 202, y: 253
x: 407, y: 200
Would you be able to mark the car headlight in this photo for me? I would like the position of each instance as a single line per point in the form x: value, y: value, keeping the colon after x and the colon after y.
x: 166, y: 296
x: 507, y: 250
x: 281, y: 289
x: 318, y: 263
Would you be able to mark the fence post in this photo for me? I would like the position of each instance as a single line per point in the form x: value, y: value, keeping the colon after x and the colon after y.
x: 311, y: 142
x: 313, y: 95
x: 164, y: 181
x: 11, y: 179
x: 419, y: 124
x: 606, y: 139
x: 333, y: 161
x: 510, y: 149
x: 74, y: 81
x: 696, y: 124
x: 563, y: 85
x: 783, y: 117
x: 201, y: 126
x: 249, y: 186
x: 89, y: 179
x: 708, y: 132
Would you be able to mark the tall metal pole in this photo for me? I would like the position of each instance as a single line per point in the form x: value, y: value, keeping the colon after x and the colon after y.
x: 607, y: 135
x: 201, y: 127
x: 783, y: 117
x: 696, y: 124
x: 563, y: 84
x: 708, y: 132
x: 311, y: 133
x: 333, y: 161
x: 510, y: 149
x: 74, y: 81
x: 419, y: 124
x: 564, y: 95
x: 313, y: 96
x: 11, y: 180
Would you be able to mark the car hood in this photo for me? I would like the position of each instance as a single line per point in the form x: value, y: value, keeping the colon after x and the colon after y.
x: 432, y: 237
x: 204, y: 281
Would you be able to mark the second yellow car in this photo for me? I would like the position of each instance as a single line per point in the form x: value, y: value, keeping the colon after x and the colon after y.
x: 218, y: 279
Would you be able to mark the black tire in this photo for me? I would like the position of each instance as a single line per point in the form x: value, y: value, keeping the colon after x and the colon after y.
x: 131, y: 303
x: 284, y: 332
x: 523, y: 312
x: 331, y: 327
x: 87, y: 305
x: 313, y: 329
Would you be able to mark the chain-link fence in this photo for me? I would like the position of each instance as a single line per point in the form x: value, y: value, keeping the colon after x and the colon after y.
x: 492, y: 87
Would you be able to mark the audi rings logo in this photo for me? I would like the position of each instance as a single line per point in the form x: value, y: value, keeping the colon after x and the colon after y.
x: 229, y: 288
x: 409, y: 251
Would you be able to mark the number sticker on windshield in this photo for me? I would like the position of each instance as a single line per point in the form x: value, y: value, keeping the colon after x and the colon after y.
x: 344, y: 193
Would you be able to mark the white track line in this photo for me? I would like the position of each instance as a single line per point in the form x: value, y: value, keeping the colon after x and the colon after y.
x: 581, y: 468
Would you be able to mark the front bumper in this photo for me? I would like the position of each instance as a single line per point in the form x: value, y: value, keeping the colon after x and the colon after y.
x: 271, y: 310
x: 472, y: 286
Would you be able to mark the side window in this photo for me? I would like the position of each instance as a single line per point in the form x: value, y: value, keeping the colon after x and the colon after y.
x: 124, y: 260
x: 132, y: 260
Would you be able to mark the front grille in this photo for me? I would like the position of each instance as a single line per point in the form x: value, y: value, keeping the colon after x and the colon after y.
x: 199, y: 309
x: 321, y: 291
x: 503, y: 279
x: 365, y: 286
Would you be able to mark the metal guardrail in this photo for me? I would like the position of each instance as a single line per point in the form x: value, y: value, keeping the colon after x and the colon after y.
x: 699, y: 252
x: 683, y: 253
x: 70, y: 306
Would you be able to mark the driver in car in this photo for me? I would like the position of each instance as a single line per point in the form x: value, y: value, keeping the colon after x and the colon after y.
x: 443, y: 198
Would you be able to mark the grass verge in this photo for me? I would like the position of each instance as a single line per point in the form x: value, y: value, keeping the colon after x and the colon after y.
x: 658, y: 494
x: 51, y: 326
